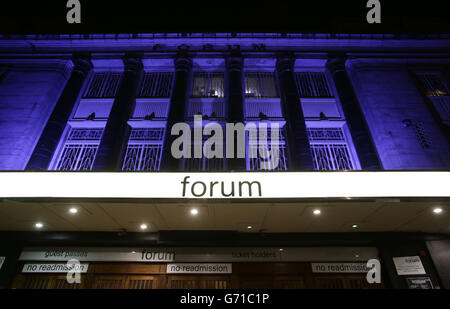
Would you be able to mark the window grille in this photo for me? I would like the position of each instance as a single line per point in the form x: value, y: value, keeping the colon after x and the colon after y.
x: 434, y: 84
x: 156, y: 85
x: 103, y: 85
x: 79, y: 150
x: 329, y: 134
x: 203, y: 164
x: 260, y: 85
x: 144, y: 150
x: 256, y: 161
x: 437, y: 91
x: 329, y: 149
x: 85, y: 135
x: 313, y: 85
x: 208, y: 85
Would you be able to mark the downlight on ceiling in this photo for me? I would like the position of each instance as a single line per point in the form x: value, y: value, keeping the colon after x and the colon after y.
x: 39, y: 225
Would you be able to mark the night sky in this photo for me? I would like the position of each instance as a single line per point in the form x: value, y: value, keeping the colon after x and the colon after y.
x: 138, y: 16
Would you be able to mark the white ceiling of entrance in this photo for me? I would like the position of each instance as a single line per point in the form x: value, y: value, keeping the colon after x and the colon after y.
x: 379, y: 216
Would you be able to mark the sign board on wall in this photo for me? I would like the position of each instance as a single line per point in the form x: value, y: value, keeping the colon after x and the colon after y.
x: 339, y: 267
x: 201, y: 255
x: 2, y: 259
x: 53, y: 268
x: 409, y: 265
x: 193, y: 268
x: 421, y: 283
x: 209, y: 185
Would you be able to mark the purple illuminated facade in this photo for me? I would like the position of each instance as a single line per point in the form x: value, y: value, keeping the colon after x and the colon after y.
x: 343, y: 102
x: 367, y: 102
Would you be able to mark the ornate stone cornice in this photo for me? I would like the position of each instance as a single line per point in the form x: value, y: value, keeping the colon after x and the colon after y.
x: 132, y: 62
x: 336, y: 64
x: 234, y: 61
x: 82, y: 64
x: 285, y: 62
x: 182, y: 61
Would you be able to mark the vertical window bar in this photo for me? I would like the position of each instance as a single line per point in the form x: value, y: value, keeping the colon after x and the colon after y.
x: 313, y: 85
x: 329, y: 149
x: 144, y: 150
x: 103, y: 85
x: 79, y: 150
x: 156, y: 85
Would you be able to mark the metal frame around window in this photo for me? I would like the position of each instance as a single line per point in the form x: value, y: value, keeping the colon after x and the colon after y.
x: 79, y: 149
x: 144, y: 149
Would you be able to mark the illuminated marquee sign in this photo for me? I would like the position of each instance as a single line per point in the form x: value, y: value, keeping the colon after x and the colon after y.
x: 224, y: 185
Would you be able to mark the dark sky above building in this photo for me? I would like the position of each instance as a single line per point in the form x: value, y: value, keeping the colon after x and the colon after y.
x: 318, y: 16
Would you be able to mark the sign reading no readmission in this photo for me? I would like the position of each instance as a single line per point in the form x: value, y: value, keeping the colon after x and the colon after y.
x: 193, y: 268
x: 54, y: 268
x: 339, y: 268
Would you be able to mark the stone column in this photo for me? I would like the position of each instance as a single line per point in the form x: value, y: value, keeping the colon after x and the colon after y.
x: 361, y: 136
x: 51, y: 135
x: 180, y: 92
x: 235, y: 103
x: 111, y: 149
x: 297, y: 138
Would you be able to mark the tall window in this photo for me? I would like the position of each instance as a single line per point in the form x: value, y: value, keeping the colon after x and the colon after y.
x: 144, y: 150
x: 260, y: 85
x: 156, y: 85
x: 329, y: 149
x: 434, y: 84
x: 80, y: 149
x: 437, y: 90
x: 259, y: 152
x: 203, y: 163
x: 208, y: 85
x: 313, y: 85
x: 103, y: 85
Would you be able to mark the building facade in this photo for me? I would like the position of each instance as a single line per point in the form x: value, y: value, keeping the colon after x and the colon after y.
x: 108, y: 103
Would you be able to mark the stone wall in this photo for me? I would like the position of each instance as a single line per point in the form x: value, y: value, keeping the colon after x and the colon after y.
x: 28, y: 93
x: 389, y: 96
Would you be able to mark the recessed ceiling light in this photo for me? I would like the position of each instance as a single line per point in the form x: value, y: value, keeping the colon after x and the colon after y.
x: 354, y: 226
x: 281, y: 250
x: 249, y: 227
x: 39, y: 225
x: 194, y: 211
x: 437, y: 210
x: 144, y: 226
x: 73, y: 210
x: 317, y: 212
x: 133, y: 252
